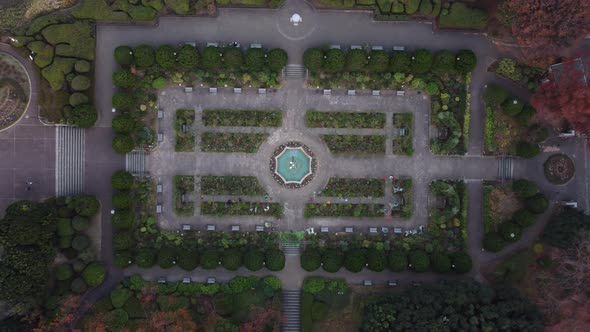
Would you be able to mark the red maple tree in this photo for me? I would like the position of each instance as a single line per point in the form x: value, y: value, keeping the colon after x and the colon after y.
x: 174, y: 321
x: 566, y: 98
x: 64, y: 317
x: 544, y: 29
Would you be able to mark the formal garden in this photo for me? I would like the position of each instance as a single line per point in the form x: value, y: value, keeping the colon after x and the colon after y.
x: 245, y: 303
x: 15, y: 90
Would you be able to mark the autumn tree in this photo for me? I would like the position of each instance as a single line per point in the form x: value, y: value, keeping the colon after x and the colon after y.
x: 567, y: 97
x: 543, y: 28
x: 177, y: 320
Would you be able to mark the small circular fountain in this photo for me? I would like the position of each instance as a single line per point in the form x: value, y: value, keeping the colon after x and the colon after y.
x: 293, y: 165
x: 296, y: 19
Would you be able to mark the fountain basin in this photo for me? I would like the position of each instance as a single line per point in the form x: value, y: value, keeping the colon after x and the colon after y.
x: 293, y: 165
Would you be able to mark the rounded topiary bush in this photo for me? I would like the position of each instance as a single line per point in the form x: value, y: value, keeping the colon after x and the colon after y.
x: 124, y: 55
x: 275, y: 260
x: 379, y: 61
x: 355, y: 260
x: 376, y: 260
x: 83, y: 116
x: 188, y: 56
x: 123, y: 123
x: 187, y: 259
x: 80, y: 83
x: 311, y: 260
x: 94, y: 274
x: 441, y: 262
x: 512, y: 106
x: 233, y: 58
x: 421, y: 61
x: 123, y: 143
x: 313, y: 59
x: 166, y: 257
x: 466, y: 61
x: 123, y: 220
x: 419, y: 261
x: 145, y: 258
x: 493, y: 242
x: 537, y: 204
x: 210, y: 259
x: 165, y: 56
x: 77, y: 98
x: 123, y: 240
x: 397, y: 261
x: 277, y: 59
x: 80, y: 223
x: 123, y: 101
x: 82, y: 66
x: 527, y: 150
x: 144, y: 56
x: 334, y: 60
x: 332, y: 260
x: 525, y: 188
x: 85, y: 205
x: 122, y: 200
x: 122, y: 180
x: 80, y: 242
x: 122, y: 259
x: 356, y: 60
x: 254, y: 260
x: 159, y: 83
x: 119, y: 296
x: 444, y: 61
x: 231, y: 259
x: 210, y: 58
x: 400, y: 61
x: 494, y: 95
x: 78, y: 286
x: 124, y: 78
x: 510, y: 231
x: 524, y: 217
x: 64, y: 272
x: 462, y: 262
x: 255, y: 59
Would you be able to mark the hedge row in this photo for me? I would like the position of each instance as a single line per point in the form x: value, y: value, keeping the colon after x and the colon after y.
x: 242, y: 118
x: 353, y: 120
x: 355, y: 144
x: 231, y: 185
x: 348, y: 187
x: 312, y: 210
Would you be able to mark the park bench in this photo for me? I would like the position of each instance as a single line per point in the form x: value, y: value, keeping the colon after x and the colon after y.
x: 399, y: 48
x: 162, y: 280
x: 255, y: 45
x: 159, y: 208
x: 416, y: 283
x: 262, y: 91
x: 213, y: 91
x: 186, y: 227
x: 235, y: 228
x: 351, y: 92
x: 188, y: 89
x: 398, y: 230
x: 348, y: 230
x: 260, y: 228
x: 373, y: 230
x: 160, y: 137
x: 385, y: 230
x: 376, y: 93
x: 327, y: 92
x: 210, y: 280
x: 214, y: 44
x: 324, y: 229
x: 211, y: 227
x: 367, y: 283
x: 377, y: 48
x: 334, y: 47
x: 186, y: 280
x: 185, y: 128
x: 160, y: 113
x: 392, y: 283
x: 237, y: 91
x: 159, y: 188
x: 193, y: 44
x: 400, y: 93
x: 403, y: 132
x: 356, y: 47
x: 182, y: 198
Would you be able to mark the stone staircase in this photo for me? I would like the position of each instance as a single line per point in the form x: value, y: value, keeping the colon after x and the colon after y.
x: 70, y: 149
x: 291, y: 247
x: 295, y: 72
x: 136, y: 162
x: 291, y: 308
x: 505, y: 168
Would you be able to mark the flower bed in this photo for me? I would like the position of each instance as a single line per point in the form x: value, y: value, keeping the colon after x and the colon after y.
x: 231, y: 142
x: 328, y: 119
x: 242, y: 118
x: 407, y: 195
x: 231, y: 185
x: 355, y: 144
x: 183, y: 185
x: 559, y: 169
x: 185, y: 139
x: 403, y: 144
x: 232, y: 208
x: 346, y: 187
x: 518, y: 72
x: 343, y: 210
x: 448, y: 219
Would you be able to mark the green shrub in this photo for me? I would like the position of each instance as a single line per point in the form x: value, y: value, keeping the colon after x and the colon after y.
x: 461, y: 262
x: 210, y: 58
x: 376, y: 260
x: 123, y: 240
x: 83, y: 116
x: 232, y: 259
x: 441, y: 262
x: 379, y: 61
x: 124, y: 124
x: 80, y: 242
x: 400, y: 61
x: 255, y: 59
x: 462, y: 17
x: 319, y: 311
x: 80, y: 83
x: 166, y: 257
x: 355, y: 260
x: 124, y: 79
x: 332, y: 260
x: 277, y: 59
x: 233, y: 58
x: 510, y: 231
x: 422, y: 61
x: 188, y: 56
x: 314, y: 285
x: 65, y: 242
x: 145, y: 257
x: 144, y: 56
x: 254, y: 260
x: 119, y: 296
x: 94, y: 274
x: 512, y: 106
x: 425, y: 7
x: 85, y: 205
x: 465, y: 61
x: 525, y: 116
x: 524, y: 218
x: 306, y: 311
x: 187, y: 259
x: 123, y: 220
x: 527, y: 150
x: 76, y: 98
x: 64, y: 272
x: 537, y: 204
x: 210, y: 259
x: 334, y: 60
x: 493, y: 242
x: 273, y: 282
x: 116, y: 320
x: 313, y: 59
x: 122, y: 200
x: 122, y: 180
x: 82, y: 66
x: 356, y: 60
x: 123, y: 143
x: 78, y: 286
x: 80, y: 223
x: 165, y: 56
x: 223, y: 304
x: 494, y: 95
x: 55, y: 73
x: 64, y: 227
x: 432, y: 88
x: 124, y: 55
x: 444, y: 61
x: 419, y: 261
x: 398, y: 261
x: 275, y: 260
x: 180, y: 7
x: 122, y: 259
x: 134, y: 308
x: 123, y: 101
x: 525, y: 188
x: 311, y: 260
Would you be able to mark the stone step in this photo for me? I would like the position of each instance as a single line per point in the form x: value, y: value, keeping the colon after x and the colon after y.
x: 136, y: 162
x: 291, y: 309
x: 295, y: 72
x: 69, y: 160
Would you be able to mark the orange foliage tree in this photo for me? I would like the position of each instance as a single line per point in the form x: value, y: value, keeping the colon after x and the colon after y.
x: 173, y: 321
x: 64, y: 317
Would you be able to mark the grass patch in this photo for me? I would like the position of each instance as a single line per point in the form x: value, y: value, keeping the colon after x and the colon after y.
x: 241, y: 209
x: 242, y: 118
x: 316, y: 119
x: 185, y: 139
x: 346, y: 187
x: 231, y: 185
x: 231, y: 142
x: 55, y: 73
x: 355, y: 144
x: 462, y: 17
x: 343, y: 210
x: 98, y: 10
x: 403, y: 130
x: 183, y: 185
x: 72, y: 40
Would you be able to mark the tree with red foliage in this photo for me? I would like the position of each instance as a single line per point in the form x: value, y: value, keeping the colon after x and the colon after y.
x: 64, y: 317
x: 568, y: 98
x: 544, y: 28
x: 262, y: 321
x: 178, y: 320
